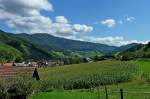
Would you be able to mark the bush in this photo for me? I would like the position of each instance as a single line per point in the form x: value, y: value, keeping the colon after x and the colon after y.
x: 19, y: 85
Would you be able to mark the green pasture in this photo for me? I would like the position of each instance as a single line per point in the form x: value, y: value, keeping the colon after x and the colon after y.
x: 136, y: 88
x: 65, y: 95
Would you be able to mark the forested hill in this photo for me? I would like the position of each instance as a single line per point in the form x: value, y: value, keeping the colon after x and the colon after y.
x: 126, y: 47
x: 13, y: 48
x: 49, y: 42
x: 17, y: 47
x: 136, y: 52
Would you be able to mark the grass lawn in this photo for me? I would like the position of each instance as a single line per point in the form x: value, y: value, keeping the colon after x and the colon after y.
x: 145, y: 66
x: 135, y: 89
x: 65, y: 95
x: 132, y: 90
x: 81, y: 71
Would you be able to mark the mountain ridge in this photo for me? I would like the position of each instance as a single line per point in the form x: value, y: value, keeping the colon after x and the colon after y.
x: 40, y: 46
x: 136, y: 52
x: 65, y: 44
x: 27, y: 49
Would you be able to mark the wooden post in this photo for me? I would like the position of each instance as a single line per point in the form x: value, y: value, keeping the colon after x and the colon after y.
x: 106, y: 92
x: 121, y: 93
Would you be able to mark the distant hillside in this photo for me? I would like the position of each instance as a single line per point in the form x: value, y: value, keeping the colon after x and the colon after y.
x: 126, y: 47
x: 15, y: 47
x: 49, y: 42
x: 12, y: 48
x: 138, y: 51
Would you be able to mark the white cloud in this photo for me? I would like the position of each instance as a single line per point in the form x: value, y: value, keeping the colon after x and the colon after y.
x: 112, y: 22
x: 25, y: 16
x: 113, y: 41
x: 126, y: 19
x: 109, y: 22
x: 25, y: 7
x: 61, y: 19
x: 130, y: 18
x: 35, y: 24
x: 63, y: 30
x: 82, y: 28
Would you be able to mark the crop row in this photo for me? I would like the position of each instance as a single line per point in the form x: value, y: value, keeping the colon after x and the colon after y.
x: 87, y: 75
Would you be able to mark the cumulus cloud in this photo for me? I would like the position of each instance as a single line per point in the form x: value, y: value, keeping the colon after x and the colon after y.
x: 25, y: 7
x: 112, y: 22
x: 82, y: 28
x: 25, y: 16
x: 113, y: 41
x: 61, y: 19
x: 63, y: 30
x: 35, y: 24
x: 109, y: 22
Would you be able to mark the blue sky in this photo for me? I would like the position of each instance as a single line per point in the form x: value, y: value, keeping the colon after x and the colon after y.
x: 112, y: 22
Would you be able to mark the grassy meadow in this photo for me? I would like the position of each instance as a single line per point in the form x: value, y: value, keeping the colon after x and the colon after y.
x: 89, y: 75
x: 79, y: 81
x: 65, y: 95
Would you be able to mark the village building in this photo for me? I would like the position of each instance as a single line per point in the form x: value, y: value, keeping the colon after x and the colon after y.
x: 34, y: 64
x: 54, y: 63
x: 50, y: 63
x: 20, y: 64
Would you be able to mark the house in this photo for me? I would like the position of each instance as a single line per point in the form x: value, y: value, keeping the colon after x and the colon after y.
x: 53, y: 63
x: 42, y: 64
x: 34, y: 64
x: 87, y: 59
x: 20, y: 64
x: 50, y: 63
x: 24, y: 64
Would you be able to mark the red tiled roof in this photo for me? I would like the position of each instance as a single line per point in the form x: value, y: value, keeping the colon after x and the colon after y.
x: 12, y: 71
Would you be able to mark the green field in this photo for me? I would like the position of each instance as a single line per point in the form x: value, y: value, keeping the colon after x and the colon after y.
x: 65, y: 95
x: 133, y: 77
x: 89, y: 74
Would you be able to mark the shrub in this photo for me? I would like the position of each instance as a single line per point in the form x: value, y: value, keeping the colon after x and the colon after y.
x: 19, y: 85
